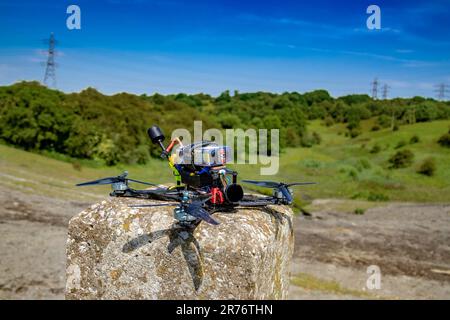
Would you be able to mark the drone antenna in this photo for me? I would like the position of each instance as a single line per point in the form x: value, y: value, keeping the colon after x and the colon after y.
x: 157, y: 137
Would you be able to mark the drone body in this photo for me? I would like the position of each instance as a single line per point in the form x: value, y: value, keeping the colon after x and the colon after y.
x: 203, y: 182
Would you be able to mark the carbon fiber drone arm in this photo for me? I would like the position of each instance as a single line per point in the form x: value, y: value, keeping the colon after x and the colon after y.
x: 148, y: 194
x: 257, y: 202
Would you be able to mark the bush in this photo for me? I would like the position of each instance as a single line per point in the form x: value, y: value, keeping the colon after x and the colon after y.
x: 384, y: 121
x: 414, y: 139
x: 363, y: 164
x: 400, y: 144
x: 427, y: 167
x: 354, y: 133
x: 401, y: 159
x: 377, y: 197
x: 376, y: 127
x: 359, y: 211
x: 308, y: 140
x: 426, y: 111
x: 353, y: 174
x: 444, y: 140
x: 375, y: 149
x: 317, y: 139
x: 328, y: 121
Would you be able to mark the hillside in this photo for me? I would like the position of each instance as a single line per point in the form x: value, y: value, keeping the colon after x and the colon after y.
x: 343, y: 167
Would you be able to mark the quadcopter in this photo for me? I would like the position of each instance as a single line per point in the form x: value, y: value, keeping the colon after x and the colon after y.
x: 204, y: 184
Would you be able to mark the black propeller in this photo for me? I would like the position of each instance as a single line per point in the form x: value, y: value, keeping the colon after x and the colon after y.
x: 121, y: 178
x: 275, y: 185
x: 153, y: 205
x: 279, y: 186
x: 196, y: 209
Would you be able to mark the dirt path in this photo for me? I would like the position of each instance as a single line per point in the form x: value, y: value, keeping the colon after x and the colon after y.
x: 409, y: 242
x: 33, y: 233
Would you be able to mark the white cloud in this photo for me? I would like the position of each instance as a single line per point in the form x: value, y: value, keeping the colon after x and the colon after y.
x: 404, y: 51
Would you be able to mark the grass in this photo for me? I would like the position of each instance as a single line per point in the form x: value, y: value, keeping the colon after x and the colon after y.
x: 341, y: 205
x: 38, y: 174
x: 343, y: 167
x: 312, y: 283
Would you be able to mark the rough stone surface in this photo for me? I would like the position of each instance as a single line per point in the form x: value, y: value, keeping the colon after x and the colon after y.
x: 115, y: 251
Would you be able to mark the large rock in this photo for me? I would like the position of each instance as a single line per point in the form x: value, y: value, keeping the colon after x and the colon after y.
x: 115, y: 251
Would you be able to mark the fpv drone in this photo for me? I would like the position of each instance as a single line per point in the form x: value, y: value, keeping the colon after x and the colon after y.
x: 204, y: 184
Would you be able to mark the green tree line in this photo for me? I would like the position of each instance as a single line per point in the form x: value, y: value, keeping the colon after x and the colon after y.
x: 112, y: 128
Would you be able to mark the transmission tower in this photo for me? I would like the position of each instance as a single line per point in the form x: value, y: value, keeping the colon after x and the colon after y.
x: 375, y: 84
x: 442, y: 90
x: 385, y: 91
x: 50, y: 66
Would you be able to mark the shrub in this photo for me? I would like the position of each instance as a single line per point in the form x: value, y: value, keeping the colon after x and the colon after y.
x: 377, y: 197
x: 375, y: 149
x: 328, y: 121
x: 354, y: 133
x: 400, y: 144
x: 363, y: 164
x: 426, y: 111
x: 309, y: 140
x: 358, y: 195
x: 414, y: 139
x: 353, y: 174
x: 359, y: 211
x: 376, y: 127
x: 384, y: 121
x: 427, y: 167
x: 401, y: 159
x: 444, y: 140
x: 317, y: 139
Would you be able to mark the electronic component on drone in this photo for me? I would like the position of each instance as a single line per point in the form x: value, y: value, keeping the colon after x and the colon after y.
x: 203, y: 154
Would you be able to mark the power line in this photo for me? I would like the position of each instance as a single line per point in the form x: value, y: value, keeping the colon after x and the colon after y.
x: 385, y: 91
x: 441, y: 91
x: 50, y: 66
x: 375, y: 84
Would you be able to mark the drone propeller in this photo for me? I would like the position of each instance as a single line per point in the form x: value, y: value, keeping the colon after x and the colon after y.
x: 110, y: 180
x: 153, y: 205
x: 279, y: 187
x: 195, y: 209
x: 275, y: 185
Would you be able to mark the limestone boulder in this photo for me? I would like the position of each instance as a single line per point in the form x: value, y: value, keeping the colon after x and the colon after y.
x: 122, y: 248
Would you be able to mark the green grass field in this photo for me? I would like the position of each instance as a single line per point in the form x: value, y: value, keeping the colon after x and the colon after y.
x: 43, y: 175
x: 344, y: 168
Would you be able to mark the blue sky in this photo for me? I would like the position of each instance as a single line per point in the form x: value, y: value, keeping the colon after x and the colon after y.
x: 171, y: 46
